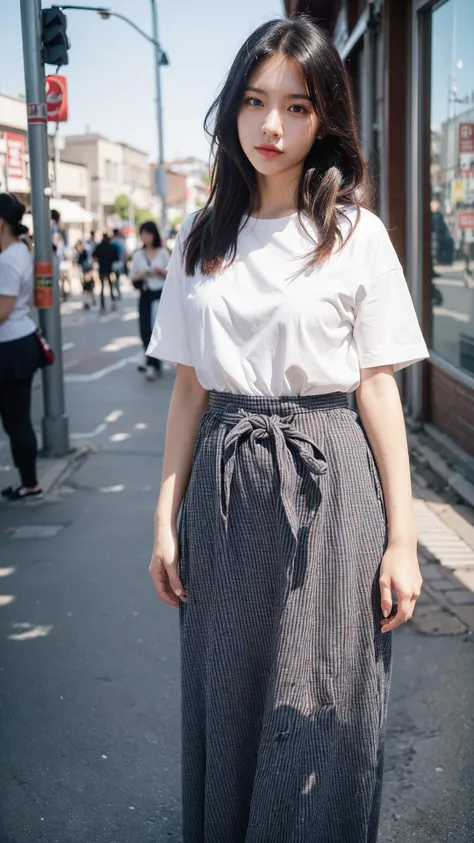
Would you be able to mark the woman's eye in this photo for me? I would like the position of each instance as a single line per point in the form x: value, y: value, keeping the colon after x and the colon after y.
x: 254, y: 101
x: 300, y: 109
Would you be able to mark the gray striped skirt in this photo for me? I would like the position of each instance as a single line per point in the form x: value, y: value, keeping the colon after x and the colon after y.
x: 285, y: 673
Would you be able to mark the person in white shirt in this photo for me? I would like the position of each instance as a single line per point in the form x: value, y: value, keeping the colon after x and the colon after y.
x: 19, y: 350
x: 148, y: 273
x: 284, y: 295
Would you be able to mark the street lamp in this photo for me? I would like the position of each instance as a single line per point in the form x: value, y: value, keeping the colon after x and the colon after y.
x: 161, y: 60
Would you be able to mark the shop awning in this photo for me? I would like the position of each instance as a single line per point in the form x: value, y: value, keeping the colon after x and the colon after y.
x: 71, y: 212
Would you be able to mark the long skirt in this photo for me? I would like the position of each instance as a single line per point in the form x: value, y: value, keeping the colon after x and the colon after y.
x: 285, y: 671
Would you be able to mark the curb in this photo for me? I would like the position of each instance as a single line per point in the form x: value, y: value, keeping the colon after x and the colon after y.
x: 425, y: 450
x: 52, y: 471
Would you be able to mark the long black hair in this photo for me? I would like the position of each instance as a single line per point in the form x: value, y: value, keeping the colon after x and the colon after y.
x: 334, y: 172
x: 12, y: 210
x: 152, y: 228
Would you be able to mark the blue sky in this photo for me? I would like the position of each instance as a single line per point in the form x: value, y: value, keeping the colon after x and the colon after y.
x: 457, y: 15
x: 111, y: 76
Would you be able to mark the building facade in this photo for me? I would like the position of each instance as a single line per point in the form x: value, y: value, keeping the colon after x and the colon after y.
x: 70, y: 181
x: 115, y: 169
x: 412, y: 67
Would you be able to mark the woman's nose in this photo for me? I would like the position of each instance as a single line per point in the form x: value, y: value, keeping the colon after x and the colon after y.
x: 272, y: 124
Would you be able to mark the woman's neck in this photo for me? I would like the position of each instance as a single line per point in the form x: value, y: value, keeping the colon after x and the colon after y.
x: 277, y: 194
x: 7, y: 240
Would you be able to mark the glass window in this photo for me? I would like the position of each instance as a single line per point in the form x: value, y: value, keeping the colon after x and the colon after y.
x: 452, y: 183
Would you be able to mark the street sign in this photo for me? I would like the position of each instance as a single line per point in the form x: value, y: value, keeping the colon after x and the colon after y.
x: 36, y: 113
x: 465, y: 219
x: 466, y: 137
x: 43, y: 285
x: 458, y: 190
x: 56, y: 99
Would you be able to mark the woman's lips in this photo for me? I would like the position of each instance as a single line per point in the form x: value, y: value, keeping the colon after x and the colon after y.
x: 268, y: 152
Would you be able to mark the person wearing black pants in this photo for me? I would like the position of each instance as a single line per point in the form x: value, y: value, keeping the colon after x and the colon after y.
x: 106, y: 254
x: 19, y: 348
x: 145, y: 307
x: 148, y: 275
x: 15, y: 413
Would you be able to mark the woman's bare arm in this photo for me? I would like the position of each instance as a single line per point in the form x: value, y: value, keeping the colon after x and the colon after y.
x: 381, y: 412
x: 7, y: 303
x: 188, y: 403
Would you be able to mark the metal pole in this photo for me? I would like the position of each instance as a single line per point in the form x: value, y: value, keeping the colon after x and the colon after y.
x: 54, y: 422
x: 160, y: 172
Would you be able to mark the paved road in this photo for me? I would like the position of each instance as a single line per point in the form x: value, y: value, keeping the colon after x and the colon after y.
x: 89, y: 658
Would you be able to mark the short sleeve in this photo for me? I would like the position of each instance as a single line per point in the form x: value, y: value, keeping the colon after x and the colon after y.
x: 10, y: 278
x: 170, y: 339
x: 386, y: 330
x: 135, y: 270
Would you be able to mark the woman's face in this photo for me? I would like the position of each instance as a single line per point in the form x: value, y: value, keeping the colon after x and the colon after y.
x: 277, y: 112
x: 147, y: 239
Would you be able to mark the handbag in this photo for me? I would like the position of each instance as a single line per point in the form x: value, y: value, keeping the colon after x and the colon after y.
x: 46, y: 353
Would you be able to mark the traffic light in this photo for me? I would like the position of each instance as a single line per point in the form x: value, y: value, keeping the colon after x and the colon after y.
x: 55, y: 40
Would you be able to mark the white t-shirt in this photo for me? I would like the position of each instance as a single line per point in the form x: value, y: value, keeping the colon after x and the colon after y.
x: 267, y: 325
x: 16, y: 279
x: 140, y: 264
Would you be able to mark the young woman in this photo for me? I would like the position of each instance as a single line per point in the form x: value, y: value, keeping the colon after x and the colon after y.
x: 148, y: 275
x: 19, y: 350
x: 284, y: 295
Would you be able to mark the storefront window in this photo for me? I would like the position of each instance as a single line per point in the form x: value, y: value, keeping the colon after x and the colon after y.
x: 452, y: 183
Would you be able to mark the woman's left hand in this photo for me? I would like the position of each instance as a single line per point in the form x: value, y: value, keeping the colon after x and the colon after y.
x: 400, y: 572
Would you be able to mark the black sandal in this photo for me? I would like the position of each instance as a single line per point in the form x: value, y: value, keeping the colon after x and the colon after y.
x: 21, y: 494
x: 5, y: 493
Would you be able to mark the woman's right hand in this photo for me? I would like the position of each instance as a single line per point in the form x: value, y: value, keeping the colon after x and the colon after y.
x: 164, y: 567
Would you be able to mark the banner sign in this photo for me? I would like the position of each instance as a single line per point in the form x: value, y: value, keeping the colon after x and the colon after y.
x: 15, y: 148
x: 465, y: 219
x: 466, y: 137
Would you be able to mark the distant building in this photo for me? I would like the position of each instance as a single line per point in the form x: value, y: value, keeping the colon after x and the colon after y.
x: 73, y: 178
x: 187, y: 181
x: 115, y: 169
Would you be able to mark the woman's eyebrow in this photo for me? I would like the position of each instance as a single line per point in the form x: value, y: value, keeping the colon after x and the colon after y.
x: 288, y: 96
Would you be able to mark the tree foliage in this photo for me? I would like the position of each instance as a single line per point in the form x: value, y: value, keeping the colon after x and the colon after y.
x: 140, y: 215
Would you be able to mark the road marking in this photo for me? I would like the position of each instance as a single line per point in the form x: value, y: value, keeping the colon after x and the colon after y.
x: 98, y: 430
x: 113, y: 416
x: 452, y: 314
x: 101, y: 373
x: 68, y: 345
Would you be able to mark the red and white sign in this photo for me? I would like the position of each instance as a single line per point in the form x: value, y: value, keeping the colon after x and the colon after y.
x: 465, y: 219
x: 36, y: 113
x: 466, y: 137
x: 56, y: 98
x: 15, y: 147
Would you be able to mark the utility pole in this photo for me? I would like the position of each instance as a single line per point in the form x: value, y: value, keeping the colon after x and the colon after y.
x: 54, y: 422
x: 160, y: 171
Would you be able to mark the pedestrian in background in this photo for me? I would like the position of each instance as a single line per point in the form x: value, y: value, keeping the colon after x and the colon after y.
x: 25, y: 236
x: 148, y: 275
x: 19, y: 351
x: 119, y: 265
x: 85, y: 264
x: 105, y: 253
x: 283, y: 295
